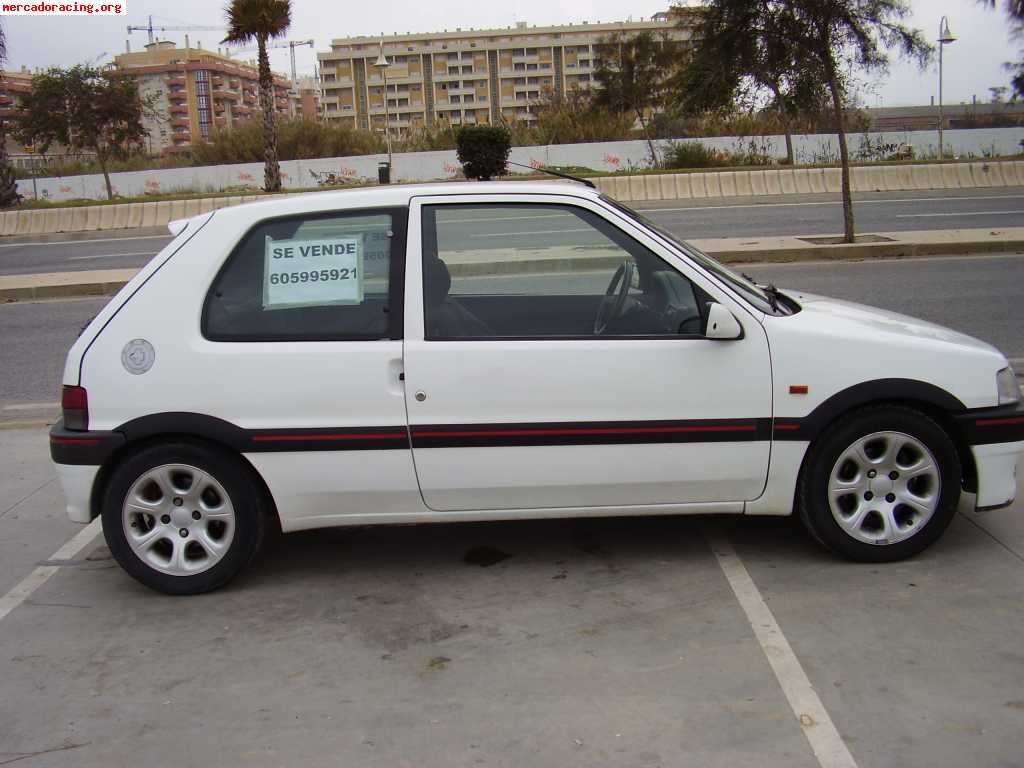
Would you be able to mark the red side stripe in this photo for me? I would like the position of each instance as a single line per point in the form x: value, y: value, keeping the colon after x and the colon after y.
x: 74, y: 441
x: 584, y: 431
x: 999, y: 422
x: 318, y: 438
x: 787, y: 426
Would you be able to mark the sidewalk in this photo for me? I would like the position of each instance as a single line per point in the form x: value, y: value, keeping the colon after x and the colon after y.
x: 884, y: 245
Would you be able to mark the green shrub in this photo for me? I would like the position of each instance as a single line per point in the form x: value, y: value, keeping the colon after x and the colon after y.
x: 429, y: 138
x: 693, y: 154
x: 483, y: 151
x: 296, y: 140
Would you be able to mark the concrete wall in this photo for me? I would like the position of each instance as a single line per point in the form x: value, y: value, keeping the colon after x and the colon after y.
x: 427, y: 166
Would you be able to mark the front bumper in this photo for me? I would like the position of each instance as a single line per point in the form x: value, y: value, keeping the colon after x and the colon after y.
x: 77, y: 457
x: 996, y: 437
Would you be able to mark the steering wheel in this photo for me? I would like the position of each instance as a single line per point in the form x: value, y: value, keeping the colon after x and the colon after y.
x: 614, y: 299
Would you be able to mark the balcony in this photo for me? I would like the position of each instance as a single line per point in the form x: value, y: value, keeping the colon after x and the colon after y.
x: 178, y: 109
x: 180, y: 122
x: 222, y: 94
x: 175, y: 80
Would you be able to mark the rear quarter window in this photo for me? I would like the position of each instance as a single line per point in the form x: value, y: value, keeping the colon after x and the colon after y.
x: 322, y: 277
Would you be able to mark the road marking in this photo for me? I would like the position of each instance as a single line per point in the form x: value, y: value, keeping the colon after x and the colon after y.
x: 821, y: 733
x: 957, y: 213
x: 29, y: 406
x: 24, y: 589
x: 832, y: 202
x: 111, y: 256
x: 87, y: 242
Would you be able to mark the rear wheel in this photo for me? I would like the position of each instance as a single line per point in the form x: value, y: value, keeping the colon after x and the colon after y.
x: 882, y: 485
x: 183, y: 518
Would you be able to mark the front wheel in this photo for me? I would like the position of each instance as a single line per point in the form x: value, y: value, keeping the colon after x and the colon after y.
x: 183, y: 518
x: 882, y: 485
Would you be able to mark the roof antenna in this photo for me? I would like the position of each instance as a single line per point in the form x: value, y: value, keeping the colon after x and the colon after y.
x: 552, y: 172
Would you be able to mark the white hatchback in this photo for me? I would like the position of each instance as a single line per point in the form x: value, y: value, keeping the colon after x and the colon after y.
x: 487, y: 351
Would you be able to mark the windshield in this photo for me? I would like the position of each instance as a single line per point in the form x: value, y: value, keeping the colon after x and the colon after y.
x: 750, y: 292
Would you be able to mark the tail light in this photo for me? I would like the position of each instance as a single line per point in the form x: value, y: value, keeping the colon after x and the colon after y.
x: 75, y: 403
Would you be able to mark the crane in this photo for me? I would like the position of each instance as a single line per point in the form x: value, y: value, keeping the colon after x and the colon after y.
x: 292, y: 44
x: 180, y: 28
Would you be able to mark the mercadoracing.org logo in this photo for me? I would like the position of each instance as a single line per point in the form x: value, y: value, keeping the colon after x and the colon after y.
x: 63, y: 9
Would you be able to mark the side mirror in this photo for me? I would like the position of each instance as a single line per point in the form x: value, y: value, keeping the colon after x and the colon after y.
x: 722, y: 324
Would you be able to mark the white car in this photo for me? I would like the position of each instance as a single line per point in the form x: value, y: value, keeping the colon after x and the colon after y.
x: 486, y: 351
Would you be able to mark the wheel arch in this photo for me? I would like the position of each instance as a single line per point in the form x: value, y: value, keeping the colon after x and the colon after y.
x: 155, y: 429
x: 933, y: 401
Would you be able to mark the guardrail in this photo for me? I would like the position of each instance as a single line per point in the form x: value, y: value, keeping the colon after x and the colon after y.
x: 801, y: 181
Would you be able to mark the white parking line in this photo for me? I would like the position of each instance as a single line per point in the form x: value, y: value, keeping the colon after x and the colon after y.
x: 828, y: 746
x: 24, y: 589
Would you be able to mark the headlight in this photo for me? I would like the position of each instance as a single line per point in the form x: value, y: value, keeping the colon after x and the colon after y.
x: 1009, y: 389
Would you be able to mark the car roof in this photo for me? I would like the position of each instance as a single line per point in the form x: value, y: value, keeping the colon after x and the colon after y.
x: 393, y: 195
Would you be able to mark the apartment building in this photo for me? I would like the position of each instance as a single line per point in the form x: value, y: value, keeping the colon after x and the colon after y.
x: 195, y: 91
x: 13, y: 85
x: 305, y: 98
x: 466, y: 76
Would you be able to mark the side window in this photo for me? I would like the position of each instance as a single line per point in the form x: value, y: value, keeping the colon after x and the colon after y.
x: 532, y: 271
x: 312, y: 278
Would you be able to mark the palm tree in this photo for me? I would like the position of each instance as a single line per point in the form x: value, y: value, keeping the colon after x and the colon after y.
x: 8, y: 184
x: 261, y: 20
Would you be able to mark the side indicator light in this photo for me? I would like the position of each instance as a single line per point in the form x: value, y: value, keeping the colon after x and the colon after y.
x: 798, y: 389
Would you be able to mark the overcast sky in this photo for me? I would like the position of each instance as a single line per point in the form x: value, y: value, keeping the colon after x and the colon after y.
x: 972, y: 64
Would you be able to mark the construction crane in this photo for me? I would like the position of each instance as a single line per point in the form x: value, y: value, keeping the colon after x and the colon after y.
x: 293, y: 44
x: 180, y: 28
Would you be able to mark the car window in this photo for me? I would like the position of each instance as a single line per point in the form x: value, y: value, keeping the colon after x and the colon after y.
x: 530, y: 271
x: 316, y: 277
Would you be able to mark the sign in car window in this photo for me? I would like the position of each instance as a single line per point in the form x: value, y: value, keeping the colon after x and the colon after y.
x: 310, y: 273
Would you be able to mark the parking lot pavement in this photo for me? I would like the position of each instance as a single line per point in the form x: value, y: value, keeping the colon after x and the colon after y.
x: 614, y: 642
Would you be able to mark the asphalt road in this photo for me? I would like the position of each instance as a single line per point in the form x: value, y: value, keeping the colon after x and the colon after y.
x: 979, y: 295
x: 691, y: 219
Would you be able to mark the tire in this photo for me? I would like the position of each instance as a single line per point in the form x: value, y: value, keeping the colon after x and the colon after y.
x: 898, y: 511
x: 193, y: 546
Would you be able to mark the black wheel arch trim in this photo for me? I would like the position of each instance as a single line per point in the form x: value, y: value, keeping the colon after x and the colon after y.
x: 807, y: 428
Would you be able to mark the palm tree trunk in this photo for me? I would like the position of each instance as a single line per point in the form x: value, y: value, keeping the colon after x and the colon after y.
x: 8, y: 184
x: 271, y: 168
x: 844, y: 152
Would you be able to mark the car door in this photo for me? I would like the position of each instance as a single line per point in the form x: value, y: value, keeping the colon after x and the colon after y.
x: 528, y: 387
x: 302, y: 350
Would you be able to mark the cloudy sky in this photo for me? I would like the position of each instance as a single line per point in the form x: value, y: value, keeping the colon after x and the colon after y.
x: 973, y: 63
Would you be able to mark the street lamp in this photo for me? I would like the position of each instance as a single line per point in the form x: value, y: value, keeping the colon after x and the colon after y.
x: 945, y: 37
x: 382, y: 64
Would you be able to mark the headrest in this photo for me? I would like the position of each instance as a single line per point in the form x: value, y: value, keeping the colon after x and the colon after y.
x: 436, y: 280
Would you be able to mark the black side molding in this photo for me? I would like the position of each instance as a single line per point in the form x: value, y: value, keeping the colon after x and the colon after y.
x: 984, y: 426
x: 82, y: 448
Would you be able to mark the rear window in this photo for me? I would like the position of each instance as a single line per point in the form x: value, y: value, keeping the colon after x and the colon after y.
x: 323, y: 277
